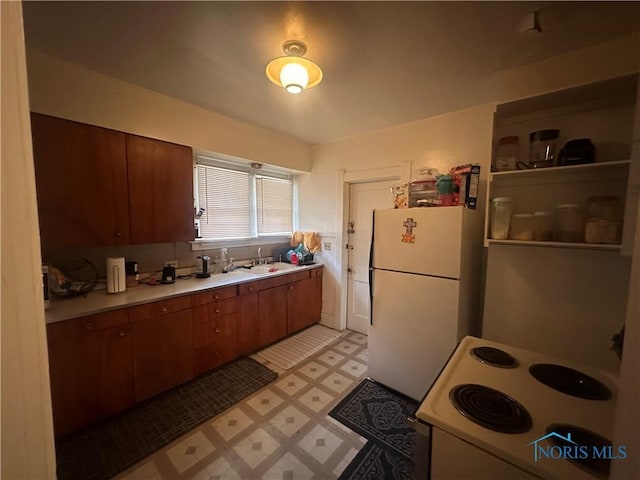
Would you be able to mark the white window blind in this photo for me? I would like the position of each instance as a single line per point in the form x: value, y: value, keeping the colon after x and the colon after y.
x: 225, y: 195
x: 239, y: 203
x: 274, y: 206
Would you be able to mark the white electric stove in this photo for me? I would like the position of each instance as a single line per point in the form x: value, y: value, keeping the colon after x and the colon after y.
x: 497, y: 411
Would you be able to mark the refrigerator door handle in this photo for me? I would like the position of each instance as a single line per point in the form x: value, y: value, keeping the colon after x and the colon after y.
x: 371, y: 296
x: 373, y: 223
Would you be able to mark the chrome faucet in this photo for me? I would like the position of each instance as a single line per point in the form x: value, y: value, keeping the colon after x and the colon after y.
x: 230, y: 266
x: 259, y: 255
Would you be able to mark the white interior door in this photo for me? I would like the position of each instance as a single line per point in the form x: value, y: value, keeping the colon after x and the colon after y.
x: 363, y: 199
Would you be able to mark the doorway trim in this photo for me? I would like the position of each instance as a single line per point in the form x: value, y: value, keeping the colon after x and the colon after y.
x: 401, y: 173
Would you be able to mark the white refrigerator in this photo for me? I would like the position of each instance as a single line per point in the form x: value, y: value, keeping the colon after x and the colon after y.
x: 425, y: 289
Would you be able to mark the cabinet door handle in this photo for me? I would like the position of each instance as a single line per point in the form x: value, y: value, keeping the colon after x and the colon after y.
x: 290, y: 287
x: 164, y: 309
x: 118, y: 234
x: 217, y: 330
x: 122, y: 333
x: 216, y: 297
x: 90, y: 326
x: 250, y: 289
x: 217, y: 310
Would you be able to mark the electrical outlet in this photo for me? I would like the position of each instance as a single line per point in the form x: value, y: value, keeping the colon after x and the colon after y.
x: 327, y: 246
x: 171, y: 263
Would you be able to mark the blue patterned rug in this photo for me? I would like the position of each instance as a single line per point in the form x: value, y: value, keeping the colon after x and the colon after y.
x: 379, y: 415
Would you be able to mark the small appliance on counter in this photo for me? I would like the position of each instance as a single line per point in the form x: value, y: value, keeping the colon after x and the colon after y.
x: 168, y: 275
x: 116, y: 281
x: 203, y: 268
x: 497, y: 411
x: 131, y: 270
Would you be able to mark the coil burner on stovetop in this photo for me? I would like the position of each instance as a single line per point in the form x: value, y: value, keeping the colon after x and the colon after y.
x: 570, y: 381
x: 584, y: 441
x: 494, y: 357
x: 490, y: 408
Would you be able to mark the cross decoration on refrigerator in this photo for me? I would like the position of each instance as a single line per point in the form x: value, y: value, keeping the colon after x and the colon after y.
x: 425, y: 292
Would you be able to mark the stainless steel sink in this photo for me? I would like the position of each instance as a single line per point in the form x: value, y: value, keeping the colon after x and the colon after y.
x: 264, y: 269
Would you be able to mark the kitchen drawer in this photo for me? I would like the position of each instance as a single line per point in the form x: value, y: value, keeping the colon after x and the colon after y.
x: 296, y: 277
x: 223, y: 307
x: 156, y: 309
x: 214, y: 295
x: 316, y: 272
x: 79, y: 326
x: 255, y: 286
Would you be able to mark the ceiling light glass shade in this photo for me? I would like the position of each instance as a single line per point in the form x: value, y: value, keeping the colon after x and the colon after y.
x: 294, y: 77
x: 293, y: 73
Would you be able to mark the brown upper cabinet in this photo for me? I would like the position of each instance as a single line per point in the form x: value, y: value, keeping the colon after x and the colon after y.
x: 160, y: 191
x: 97, y: 186
x: 81, y: 182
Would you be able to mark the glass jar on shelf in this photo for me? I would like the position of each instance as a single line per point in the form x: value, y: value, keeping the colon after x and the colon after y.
x: 506, y: 155
x: 542, y: 226
x: 602, y: 224
x: 542, y: 148
x: 568, y: 223
x: 521, y: 227
x: 500, y: 218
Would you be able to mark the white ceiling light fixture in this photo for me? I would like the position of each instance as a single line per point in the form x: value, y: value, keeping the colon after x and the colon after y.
x: 293, y: 71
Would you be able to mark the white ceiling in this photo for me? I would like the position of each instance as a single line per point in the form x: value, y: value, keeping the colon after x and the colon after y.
x: 384, y: 63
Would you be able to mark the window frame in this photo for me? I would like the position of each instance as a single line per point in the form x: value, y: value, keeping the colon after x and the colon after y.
x: 267, y: 171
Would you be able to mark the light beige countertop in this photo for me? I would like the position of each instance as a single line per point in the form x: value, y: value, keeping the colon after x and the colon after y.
x: 99, y: 301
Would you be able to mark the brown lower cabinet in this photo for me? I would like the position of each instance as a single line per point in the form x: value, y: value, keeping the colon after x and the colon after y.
x: 162, y: 353
x: 215, y: 334
x: 90, y: 369
x: 102, y: 364
x: 272, y: 315
x: 248, y: 340
x: 304, y: 303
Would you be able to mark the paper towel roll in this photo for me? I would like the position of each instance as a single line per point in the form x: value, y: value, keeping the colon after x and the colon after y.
x: 116, y: 281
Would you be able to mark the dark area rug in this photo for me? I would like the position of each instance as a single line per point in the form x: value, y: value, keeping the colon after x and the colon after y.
x: 110, y: 447
x: 380, y: 415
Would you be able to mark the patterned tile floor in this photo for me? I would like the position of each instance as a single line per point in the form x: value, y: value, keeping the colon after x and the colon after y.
x: 282, y: 432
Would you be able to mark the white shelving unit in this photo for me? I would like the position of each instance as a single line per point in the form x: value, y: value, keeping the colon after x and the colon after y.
x: 564, y: 299
x: 603, y: 112
x: 544, y: 188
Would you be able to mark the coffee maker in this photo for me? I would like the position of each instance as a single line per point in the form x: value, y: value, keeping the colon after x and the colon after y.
x: 203, y: 268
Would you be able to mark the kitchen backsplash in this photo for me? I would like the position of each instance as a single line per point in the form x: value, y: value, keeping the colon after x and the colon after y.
x: 152, y: 257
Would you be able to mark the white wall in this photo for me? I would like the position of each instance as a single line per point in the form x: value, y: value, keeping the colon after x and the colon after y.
x: 62, y: 89
x: 26, y: 425
x: 609, y: 59
x: 459, y: 137
x: 440, y: 142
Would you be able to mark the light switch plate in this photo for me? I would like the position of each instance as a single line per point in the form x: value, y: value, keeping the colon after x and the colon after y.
x: 326, y: 246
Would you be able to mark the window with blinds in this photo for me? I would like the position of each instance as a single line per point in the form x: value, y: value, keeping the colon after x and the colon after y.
x: 238, y: 204
x: 274, y: 206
